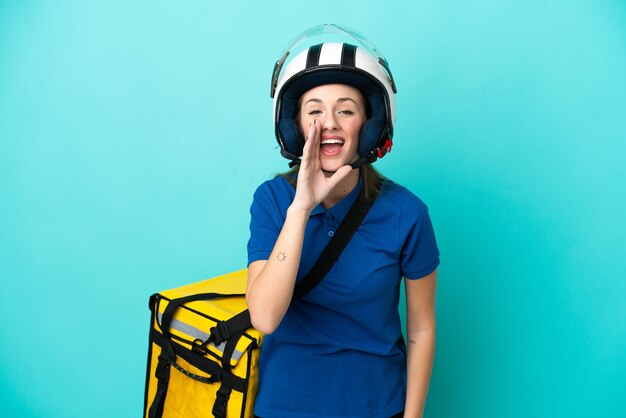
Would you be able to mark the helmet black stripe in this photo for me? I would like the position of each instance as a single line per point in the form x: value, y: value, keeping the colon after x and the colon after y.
x: 348, y: 55
x: 313, y: 56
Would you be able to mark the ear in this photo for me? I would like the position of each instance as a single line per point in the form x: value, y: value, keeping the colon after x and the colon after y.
x: 371, y: 133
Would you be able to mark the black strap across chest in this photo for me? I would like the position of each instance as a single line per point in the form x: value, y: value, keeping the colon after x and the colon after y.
x: 240, y: 322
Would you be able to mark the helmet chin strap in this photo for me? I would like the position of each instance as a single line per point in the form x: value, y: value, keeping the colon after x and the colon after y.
x: 360, y: 162
x: 366, y: 159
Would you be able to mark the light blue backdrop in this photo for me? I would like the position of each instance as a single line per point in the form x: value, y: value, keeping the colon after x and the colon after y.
x: 133, y: 134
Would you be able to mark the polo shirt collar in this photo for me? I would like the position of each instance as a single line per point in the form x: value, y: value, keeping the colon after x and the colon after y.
x: 341, y: 208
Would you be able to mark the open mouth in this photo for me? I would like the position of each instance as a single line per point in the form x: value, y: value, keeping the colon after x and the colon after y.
x: 331, y: 146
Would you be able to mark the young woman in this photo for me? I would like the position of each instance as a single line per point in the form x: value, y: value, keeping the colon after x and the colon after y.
x: 339, y: 351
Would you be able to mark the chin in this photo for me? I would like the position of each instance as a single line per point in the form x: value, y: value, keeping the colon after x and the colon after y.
x: 332, y: 166
x: 330, y: 169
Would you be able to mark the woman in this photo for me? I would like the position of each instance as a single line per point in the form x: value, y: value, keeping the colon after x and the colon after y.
x: 338, y: 351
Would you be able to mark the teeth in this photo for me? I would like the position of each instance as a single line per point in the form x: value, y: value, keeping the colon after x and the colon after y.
x: 331, y: 141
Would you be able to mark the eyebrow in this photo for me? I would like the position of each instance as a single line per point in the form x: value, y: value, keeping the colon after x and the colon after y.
x: 339, y: 100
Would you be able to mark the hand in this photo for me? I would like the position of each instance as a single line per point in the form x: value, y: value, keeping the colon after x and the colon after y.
x: 313, y: 185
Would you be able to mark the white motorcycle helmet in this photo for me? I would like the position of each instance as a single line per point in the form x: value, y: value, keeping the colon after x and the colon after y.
x: 322, y: 61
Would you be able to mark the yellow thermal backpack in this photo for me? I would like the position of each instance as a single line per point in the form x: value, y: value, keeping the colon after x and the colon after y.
x: 203, y: 354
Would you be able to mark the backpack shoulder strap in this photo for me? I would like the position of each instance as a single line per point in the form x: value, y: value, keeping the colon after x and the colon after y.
x: 344, y: 233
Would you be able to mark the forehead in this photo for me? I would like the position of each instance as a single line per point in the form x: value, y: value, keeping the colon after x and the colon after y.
x: 332, y: 92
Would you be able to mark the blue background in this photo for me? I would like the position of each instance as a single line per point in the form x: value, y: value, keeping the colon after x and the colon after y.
x: 133, y: 134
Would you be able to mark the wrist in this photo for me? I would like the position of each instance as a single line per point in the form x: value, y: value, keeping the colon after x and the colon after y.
x: 298, y: 212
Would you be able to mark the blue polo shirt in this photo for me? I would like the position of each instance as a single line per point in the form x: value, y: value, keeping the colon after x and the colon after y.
x: 339, y: 351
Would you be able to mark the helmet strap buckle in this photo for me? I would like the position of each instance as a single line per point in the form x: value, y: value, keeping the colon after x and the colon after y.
x: 382, y: 151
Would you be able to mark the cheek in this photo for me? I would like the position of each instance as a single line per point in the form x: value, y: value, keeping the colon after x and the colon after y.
x: 354, y: 127
x: 304, y: 122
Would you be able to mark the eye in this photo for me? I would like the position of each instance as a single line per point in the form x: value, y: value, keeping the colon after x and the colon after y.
x: 314, y: 112
x: 346, y: 112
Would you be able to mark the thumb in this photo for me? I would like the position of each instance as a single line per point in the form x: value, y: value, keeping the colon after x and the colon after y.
x: 339, y: 175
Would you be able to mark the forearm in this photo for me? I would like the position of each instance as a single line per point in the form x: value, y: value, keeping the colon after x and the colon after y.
x: 270, y: 291
x: 420, y: 355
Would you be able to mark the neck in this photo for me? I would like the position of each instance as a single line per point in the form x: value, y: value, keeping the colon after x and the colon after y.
x: 342, y: 189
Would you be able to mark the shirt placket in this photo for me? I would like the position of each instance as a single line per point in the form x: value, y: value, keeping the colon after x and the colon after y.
x: 330, y: 224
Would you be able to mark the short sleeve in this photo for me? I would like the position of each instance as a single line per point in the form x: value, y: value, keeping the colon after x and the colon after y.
x: 420, y: 254
x: 264, y: 225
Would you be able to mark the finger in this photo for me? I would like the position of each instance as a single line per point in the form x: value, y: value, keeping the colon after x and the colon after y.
x: 315, y: 137
x: 312, y: 143
x: 339, y: 175
x: 306, y: 150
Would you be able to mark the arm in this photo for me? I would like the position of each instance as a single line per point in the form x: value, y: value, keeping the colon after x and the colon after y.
x: 271, y: 282
x: 420, y: 315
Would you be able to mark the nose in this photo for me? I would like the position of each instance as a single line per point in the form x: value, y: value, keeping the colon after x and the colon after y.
x: 329, y: 122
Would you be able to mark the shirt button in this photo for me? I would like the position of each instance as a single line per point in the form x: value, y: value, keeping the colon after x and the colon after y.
x: 331, y: 233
